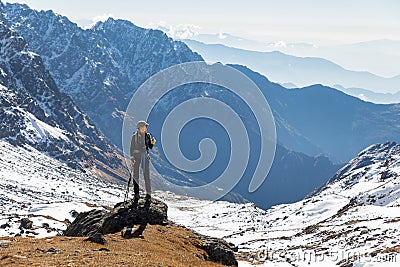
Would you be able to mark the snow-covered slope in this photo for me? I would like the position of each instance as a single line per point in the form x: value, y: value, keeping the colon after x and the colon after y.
x: 356, y: 214
x: 42, y: 188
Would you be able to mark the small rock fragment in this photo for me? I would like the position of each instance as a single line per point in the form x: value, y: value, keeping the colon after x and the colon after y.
x: 4, y: 245
x: 4, y: 226
x: 97, y: 238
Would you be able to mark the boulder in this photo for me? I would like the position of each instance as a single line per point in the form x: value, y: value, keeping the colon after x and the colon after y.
x: 26, y: 224
x: 125, y: 214
x: 218, y: 250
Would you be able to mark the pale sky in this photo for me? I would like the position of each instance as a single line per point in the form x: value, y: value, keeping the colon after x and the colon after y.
x: 313, y: 21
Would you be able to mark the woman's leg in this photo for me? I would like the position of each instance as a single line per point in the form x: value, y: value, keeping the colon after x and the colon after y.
x: 136, y: 167
x: 146, y: 172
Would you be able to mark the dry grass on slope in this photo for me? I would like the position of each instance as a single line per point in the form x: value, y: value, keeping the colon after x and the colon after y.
x: 161, y: 246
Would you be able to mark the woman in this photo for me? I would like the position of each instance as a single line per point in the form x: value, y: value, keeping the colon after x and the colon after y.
x: 141, y: 142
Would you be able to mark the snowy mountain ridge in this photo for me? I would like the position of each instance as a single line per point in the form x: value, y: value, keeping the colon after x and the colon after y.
x: 374, y: 175
x: 99, y: 68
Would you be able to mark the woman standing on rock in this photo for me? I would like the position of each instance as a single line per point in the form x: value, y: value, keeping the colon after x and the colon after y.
x: 141, y: 142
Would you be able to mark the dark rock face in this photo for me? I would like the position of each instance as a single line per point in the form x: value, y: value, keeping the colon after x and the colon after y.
x: 87, y: 223
x: 4, y: 226
x: 219, y: 250
x: 150, y: 211
x: 49, y: 251
x: 126, y: 214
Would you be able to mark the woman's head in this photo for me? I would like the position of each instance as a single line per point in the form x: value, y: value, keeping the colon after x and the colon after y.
x: 142, y: 127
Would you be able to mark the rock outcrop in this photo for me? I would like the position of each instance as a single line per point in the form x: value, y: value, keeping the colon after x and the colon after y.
x: 219, y: 250
x: 125, y: 214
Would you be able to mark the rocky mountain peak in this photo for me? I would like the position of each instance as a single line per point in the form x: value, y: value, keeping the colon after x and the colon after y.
x: 100, y: 67
x: 34, y: 112
x: 377, y: 155
x: 373, y: 177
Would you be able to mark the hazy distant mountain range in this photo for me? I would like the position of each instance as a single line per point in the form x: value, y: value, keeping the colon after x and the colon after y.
x: 302, y: 71
x: 370, y: 96
x: 381, y: 57
x: 320, y: 119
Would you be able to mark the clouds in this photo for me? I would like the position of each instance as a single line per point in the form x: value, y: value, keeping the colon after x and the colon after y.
x: 179, y: 31
x: 319, y: 22
x: 99, y: 18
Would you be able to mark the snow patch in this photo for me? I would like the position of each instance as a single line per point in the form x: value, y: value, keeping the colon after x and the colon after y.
x: 42, y: 130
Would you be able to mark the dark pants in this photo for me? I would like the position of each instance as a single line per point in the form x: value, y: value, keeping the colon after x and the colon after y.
x: 141, y: 159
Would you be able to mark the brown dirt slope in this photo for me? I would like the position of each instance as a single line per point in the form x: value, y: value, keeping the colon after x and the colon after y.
x: 161, y: 246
